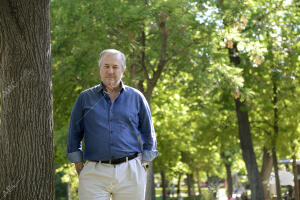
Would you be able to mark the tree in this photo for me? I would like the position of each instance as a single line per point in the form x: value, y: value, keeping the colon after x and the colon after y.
x: 26, y: 139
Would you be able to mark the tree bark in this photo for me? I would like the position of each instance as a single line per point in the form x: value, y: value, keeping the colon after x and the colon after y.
x: 178, y: 185
x: 133, y: 72
x: 275, y: 164
x: 190, y: 184
x: 199, y: 181
x: 150, y: 189
x: 247, y: 151
x: 228, y: 174
x: 296, y: 181
x: 245, y: 136
x: 69, y: 191
x: 26, y: 125
x: 266, y: 170
x: 163, y: 184
x: 274, y: 139
x: 229, y: 179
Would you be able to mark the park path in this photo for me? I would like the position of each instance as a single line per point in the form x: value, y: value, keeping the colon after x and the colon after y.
x: 221, y: 195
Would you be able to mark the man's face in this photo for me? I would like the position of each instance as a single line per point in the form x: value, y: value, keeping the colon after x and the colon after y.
x: 111, y: 70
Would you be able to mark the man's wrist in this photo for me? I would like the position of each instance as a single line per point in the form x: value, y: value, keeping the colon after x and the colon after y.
x: 149, y: 155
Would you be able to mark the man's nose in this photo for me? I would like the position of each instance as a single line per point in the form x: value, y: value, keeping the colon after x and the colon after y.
x: 110, y: 70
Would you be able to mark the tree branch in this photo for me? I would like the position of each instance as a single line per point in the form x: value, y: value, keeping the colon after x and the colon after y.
x: 143, y: 55
x: 180, y: 51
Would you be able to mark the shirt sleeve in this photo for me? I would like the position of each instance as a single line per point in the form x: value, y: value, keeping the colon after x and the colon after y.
x: 147, y: 132
x: 76, y: 132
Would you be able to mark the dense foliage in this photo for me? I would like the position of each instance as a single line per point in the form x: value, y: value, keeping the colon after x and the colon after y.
x: 178, y: 55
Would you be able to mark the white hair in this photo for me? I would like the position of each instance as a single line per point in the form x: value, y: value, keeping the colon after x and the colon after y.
x: 112, y: 51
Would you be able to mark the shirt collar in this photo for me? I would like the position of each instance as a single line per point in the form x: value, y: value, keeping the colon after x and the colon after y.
x: 100, y: 87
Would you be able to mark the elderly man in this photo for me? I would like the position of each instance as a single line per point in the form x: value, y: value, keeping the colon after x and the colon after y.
x: 115, y: 122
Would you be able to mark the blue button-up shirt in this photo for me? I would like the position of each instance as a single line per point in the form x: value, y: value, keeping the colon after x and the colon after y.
x: 111, y: 130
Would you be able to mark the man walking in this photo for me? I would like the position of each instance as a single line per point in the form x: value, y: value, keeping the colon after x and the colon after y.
x: 116, y: 124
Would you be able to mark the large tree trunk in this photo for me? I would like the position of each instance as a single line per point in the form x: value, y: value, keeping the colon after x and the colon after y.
x: 248, y: 152
x: 266, y: 170
x: 26, y: 129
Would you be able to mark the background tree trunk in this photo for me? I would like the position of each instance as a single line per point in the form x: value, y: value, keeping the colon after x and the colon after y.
x: 266, y: 170
x: 245, y: 136
x: 26, y: 129
x: 150, y: 189
x: 229, y: 179
x: 274, y: 139
x: 163, y: 185
x: 296, y: 181
x: 69, y: 191
x: 190, y: 184
x: 178, y: 185
x: 275, y: 164
x: 248, y: 152
x: 199, y: 181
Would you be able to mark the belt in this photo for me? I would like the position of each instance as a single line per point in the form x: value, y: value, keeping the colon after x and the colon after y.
x: 118, y: 160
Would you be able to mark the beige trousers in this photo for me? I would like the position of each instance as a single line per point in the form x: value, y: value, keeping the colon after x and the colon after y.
x: 100, y: 181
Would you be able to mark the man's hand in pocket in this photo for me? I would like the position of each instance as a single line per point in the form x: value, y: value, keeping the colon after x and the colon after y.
x: 79, y: 167
x: 146, y: 164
